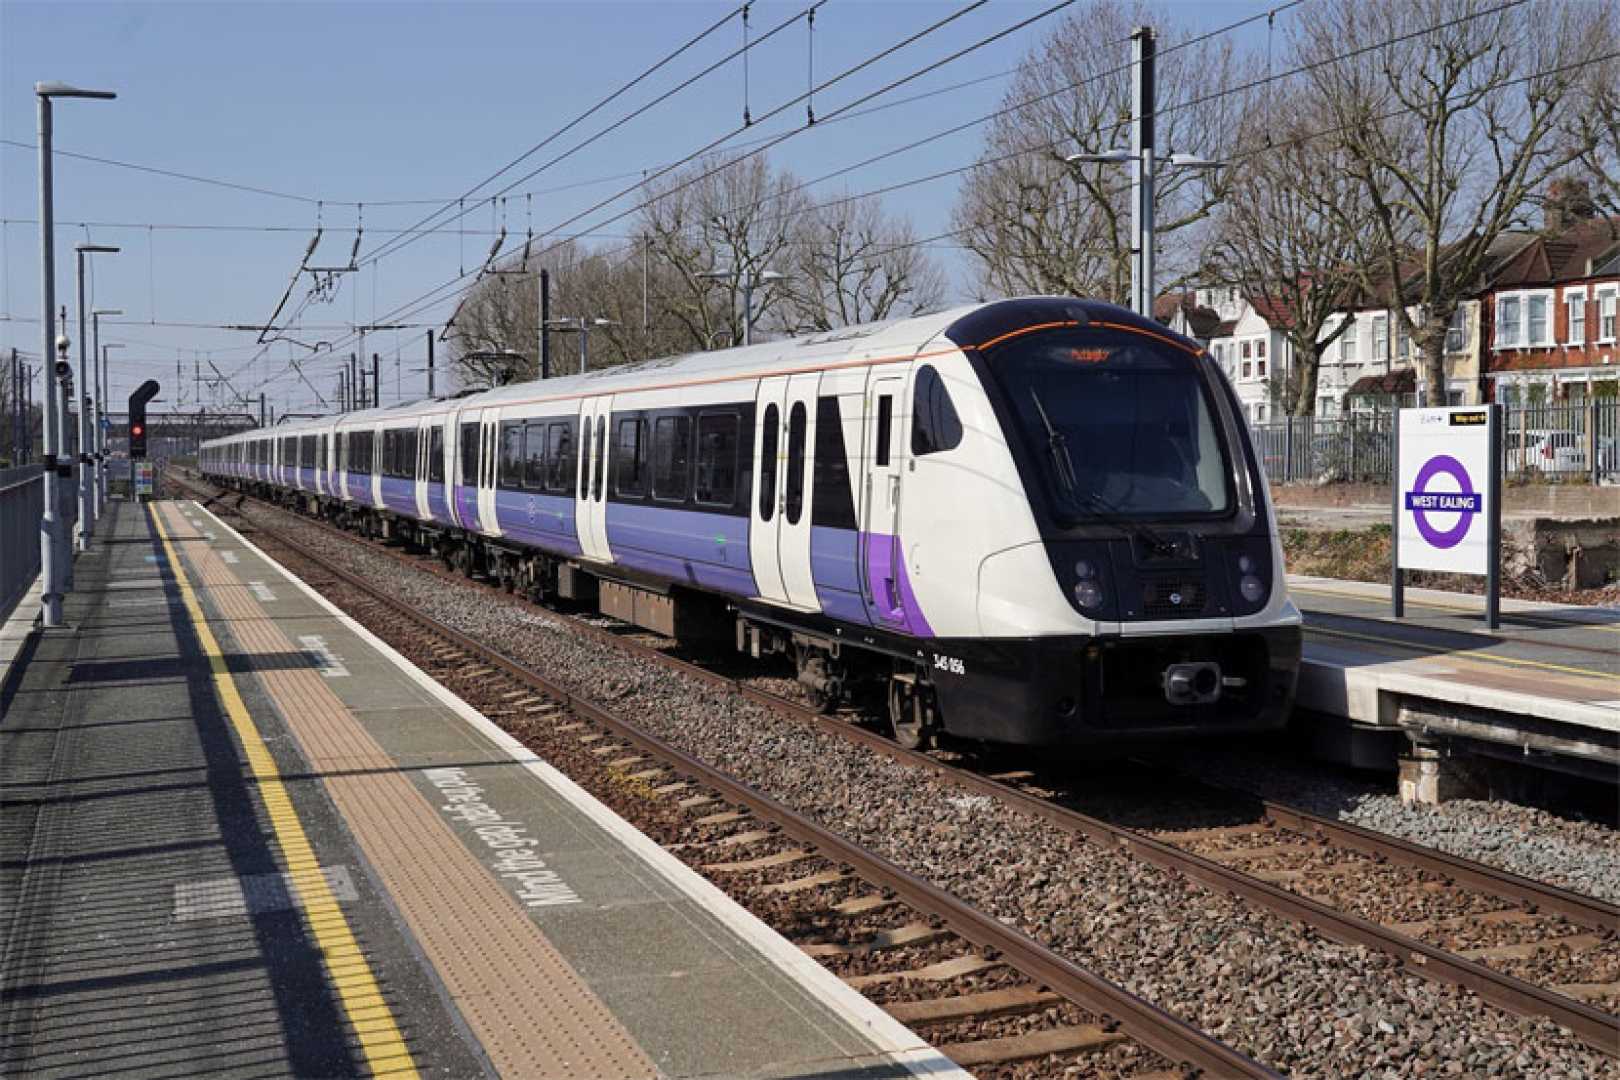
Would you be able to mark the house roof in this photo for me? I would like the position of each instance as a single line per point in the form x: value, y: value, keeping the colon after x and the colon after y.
x: 1584, y: 249
x: 1403, y: 381
x: 1201, y: 321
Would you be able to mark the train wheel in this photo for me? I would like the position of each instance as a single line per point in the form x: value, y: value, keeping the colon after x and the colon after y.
x: 909, y: 715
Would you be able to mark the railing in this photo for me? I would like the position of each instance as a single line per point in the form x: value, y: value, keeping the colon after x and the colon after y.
x: 22, y: 503
x: 1562, y: 443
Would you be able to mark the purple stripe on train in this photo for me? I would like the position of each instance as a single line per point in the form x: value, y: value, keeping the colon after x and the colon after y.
x: 438, y: 505
x: 710, y: 550
x: 836, y: 573
x: 894, y: 603
x: 466, y: 497
x: 545, y: 521
x: 399, y: 495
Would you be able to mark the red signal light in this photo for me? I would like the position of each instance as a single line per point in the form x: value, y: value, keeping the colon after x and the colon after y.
x: 137, y: 430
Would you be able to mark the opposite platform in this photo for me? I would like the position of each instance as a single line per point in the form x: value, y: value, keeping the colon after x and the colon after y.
x: 240, y: 834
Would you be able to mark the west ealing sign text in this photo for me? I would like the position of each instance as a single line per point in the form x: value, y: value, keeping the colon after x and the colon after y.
x: 1444, y: 473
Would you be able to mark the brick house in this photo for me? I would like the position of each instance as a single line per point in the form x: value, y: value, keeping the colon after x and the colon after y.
x: 1552, y: 314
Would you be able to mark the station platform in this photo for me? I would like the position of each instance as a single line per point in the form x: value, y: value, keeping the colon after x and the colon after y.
x: 240, y: 835
x: 1547, y: 679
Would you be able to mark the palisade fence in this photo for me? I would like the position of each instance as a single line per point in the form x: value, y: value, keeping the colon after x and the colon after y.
x: 1560, y: 443
x: 22, y: 503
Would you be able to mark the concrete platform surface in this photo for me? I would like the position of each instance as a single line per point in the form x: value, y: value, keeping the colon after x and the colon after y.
x: 240, y: 835
x: 1547, y: 664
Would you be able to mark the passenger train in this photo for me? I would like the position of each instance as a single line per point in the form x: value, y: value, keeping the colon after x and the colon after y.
x: 1035, y: 521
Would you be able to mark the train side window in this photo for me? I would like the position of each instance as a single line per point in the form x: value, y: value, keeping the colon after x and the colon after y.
x: 436, y: 454
x: 716, y: 478
x: 767, y: 462
x: 934, y: 423
x: 885, y: 431
x: 560, y: 457
x: 630, y: 453
x: 469, y: 454
x: 511, y: 456
x: 388, y: 453
x: 672, y: 449
x: 583, y: 471
x: 599, y: 476
x: 534, y: 457
x: 794, y: 491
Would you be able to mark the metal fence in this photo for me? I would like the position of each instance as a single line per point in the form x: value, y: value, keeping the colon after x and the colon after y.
x: 1560, y: 443
x: 22, y: 503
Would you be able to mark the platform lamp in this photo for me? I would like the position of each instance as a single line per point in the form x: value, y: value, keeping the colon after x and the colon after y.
x: 54, y: 556
x: 98, y: 356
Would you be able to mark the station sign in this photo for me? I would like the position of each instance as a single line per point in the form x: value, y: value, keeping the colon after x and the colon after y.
x: 1447, y: 495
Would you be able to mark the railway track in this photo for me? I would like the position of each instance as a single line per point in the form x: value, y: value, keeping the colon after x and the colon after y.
x: 988, y: 996
x: 1525, y: 946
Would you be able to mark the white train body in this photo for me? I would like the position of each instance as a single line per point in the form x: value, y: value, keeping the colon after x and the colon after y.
x: 1037, y: 520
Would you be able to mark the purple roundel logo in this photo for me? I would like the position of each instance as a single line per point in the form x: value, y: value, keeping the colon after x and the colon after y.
x: 1423, y: 502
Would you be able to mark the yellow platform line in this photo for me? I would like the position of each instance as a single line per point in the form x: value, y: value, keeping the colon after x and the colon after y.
x: 379, y: 1035
x: 1390, y: 642
x: 1539, y: 618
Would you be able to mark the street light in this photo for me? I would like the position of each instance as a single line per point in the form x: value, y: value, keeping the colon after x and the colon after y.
x: 54, y: 555
x: 88, y: 507
x: 1142, y: 186
x: 750, y: 279
x: 582, y: 326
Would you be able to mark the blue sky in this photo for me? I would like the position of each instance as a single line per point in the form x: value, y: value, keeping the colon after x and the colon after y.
x: 386, y: 101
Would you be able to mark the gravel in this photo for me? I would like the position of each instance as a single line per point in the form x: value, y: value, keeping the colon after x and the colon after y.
x: 1260, y: 983
x: 1583, y: 856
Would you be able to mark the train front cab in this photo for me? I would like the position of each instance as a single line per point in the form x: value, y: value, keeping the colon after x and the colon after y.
x: 1134, y: 591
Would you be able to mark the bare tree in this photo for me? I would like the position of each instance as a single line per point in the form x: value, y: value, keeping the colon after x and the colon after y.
x: 1290, y: 235
x: 852, y: 263
x: 1449, y: 128
x: 712, y: 217
x: 1039, y: 225
x: 495, y: 332
x: 1601, y: 121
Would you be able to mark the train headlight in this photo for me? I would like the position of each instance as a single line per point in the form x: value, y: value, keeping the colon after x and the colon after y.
x: 1252, y: 588
x: 1088, y: 591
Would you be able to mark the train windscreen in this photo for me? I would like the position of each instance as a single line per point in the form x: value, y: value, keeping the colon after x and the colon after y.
x: 1120, y: 423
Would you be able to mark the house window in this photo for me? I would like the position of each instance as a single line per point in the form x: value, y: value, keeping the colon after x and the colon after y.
x: 1575, y: 302
x: 1607, y: 298
x: 1380, y: 327
x: 1537, y: 306
x: 1509, y: 329
x: 1403, y: 340
x: 1457, y: 331
x: 1348, y: 351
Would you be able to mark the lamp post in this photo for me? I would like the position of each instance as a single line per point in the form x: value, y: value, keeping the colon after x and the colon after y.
x: 582, y: 326
x: 103, y: 389
x: 751, y: 279
x: 52, y: 570
x: 87, y: 496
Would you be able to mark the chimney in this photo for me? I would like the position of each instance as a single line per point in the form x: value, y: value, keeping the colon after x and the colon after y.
x: 1568, y: 202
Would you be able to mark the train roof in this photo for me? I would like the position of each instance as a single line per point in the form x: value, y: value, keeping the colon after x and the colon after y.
x: 899, y: 338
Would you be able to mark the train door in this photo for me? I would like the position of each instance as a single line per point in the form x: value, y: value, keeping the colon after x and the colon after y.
x: 464, y: 471
x: 881, y: 565
x: 424, y: 432
x: 591, y: 484
x: 765, y: 516
x: 488, y: 457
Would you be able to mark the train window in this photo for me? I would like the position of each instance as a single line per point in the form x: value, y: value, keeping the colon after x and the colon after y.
x: 934, y: 423
x: 560, y: 457
x: 794, y: 491
x: 387, y: 453
x: 408, y: 453
x: 436, y: 454
x: 716, y: 479
x: 672, y: 466
x: 833, y: 501
x: 598, y: 477
x: 534, y: 457
x: 306, y: 452
x: 584, y: 470
x: 469, y: 454
x: 767, y: 462
x: 885, y: 429
x: 511, y: 476
x: 630, y: 452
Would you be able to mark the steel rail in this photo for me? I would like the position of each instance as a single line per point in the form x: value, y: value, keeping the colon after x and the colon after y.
x: 1145, y: 1022
x: 1596, y: 1027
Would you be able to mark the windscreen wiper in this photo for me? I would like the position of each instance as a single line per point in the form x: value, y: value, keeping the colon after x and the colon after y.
x: 1100, y: 507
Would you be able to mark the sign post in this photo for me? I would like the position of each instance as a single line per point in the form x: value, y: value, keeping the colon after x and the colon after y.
x: 1447, y: 499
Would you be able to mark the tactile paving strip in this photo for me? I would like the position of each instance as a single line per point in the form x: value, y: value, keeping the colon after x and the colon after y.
x: 524, y: 1002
